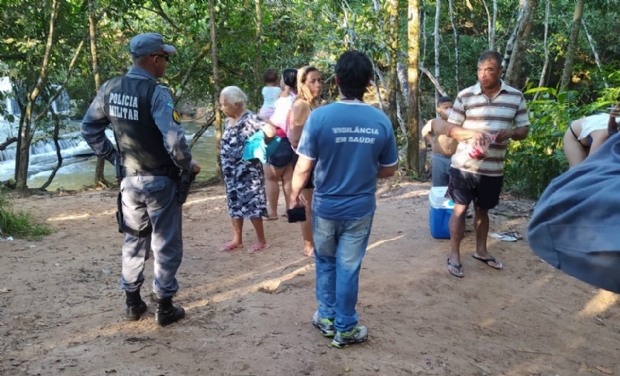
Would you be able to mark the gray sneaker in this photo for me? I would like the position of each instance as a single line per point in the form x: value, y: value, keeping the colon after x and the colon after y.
x: 326, y: 326
x: 344, y: 339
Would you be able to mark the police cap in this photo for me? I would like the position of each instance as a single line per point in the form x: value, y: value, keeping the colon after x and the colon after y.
x: 143, y: 44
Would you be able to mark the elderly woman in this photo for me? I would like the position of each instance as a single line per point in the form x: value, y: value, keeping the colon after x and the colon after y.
x: 245, y: 182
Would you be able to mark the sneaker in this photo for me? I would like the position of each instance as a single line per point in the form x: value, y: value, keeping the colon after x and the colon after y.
x: 344, y: 339
x: 326, y: 326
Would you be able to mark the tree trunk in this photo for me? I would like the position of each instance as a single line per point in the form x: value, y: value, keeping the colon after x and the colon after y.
x: 259, y: 27
x: 510, y: 45
x: 28, y: 125
x: 513, y: 72
x: 490, y: 25
x: 423, y: 31
x: 57, y: 125
x: 92, y: 33
x: 216, y: 93
x: 393, y: 74
x: 594, y: 52
x: 457, y: 54
x: 437, y: 37
x: 567, y: 74
x: 413, y: 51
x: 546, y: 63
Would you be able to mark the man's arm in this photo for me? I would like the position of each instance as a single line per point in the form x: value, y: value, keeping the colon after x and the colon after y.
x: 303, y: 168
x: 460, y: 134
x: 93, y: 128
x: 387, y: 171
x: 388, y: 158
x: 162, y: 110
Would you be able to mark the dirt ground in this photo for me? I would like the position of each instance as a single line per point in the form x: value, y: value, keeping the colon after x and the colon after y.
x: 61, y: 310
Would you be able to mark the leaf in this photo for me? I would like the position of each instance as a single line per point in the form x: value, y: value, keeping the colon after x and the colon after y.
x: 606, y: 371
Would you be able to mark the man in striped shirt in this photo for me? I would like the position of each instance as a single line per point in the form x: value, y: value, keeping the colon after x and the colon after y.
x: 484, y: 118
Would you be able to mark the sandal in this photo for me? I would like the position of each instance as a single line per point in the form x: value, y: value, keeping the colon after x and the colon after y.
x: 497, y: 265
x: 457, y: 267
x: 230, y: 247
x: 258, y: 247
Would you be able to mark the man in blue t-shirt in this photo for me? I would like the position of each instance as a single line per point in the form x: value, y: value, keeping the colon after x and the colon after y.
x: 350, y: 144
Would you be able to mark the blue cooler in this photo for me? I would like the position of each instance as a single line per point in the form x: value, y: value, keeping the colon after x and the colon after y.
x: 440, y: 209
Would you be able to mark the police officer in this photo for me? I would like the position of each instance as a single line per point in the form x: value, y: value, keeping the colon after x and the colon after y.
x: 151, y: 152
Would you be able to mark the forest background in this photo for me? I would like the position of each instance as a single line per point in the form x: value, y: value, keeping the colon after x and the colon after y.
x: 563, y: 54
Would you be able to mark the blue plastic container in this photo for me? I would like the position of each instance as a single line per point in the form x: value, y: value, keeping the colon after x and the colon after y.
x: 440, y: 209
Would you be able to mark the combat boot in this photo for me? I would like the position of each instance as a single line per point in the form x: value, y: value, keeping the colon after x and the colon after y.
x: 166, y: 313
x: 135, y: 305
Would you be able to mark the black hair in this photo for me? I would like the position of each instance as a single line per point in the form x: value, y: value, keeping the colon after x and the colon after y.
x: 444, y: 100
x: 289, y: 76
x: 491, y: 55
x: 354, y: 72
x: 270, y: 76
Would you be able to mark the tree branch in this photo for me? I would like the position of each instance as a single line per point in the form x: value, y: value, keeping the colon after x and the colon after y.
x: 203, y: 52
x: 64, y: 83
x: 7, y: 142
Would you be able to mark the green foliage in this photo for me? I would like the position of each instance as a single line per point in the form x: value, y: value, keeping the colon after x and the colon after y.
x: 18, y: 224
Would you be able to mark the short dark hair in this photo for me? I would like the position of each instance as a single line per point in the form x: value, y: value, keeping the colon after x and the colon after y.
x: 354, y: 71
x: 444, y: 99
x: 490, y: 55
x: 289, y: 76
x: 270, y: 76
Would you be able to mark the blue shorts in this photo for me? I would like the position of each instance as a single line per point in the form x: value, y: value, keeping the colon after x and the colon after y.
x: 283, y: 156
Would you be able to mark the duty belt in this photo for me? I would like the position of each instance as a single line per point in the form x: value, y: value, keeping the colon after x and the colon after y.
x: 171, y: 172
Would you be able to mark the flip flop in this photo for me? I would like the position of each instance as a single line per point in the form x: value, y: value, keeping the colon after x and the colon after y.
x: 488, y: 261
x: 457, y: 267
x: 258, y: 247
x: 271, y: 218
x: 230, y: 247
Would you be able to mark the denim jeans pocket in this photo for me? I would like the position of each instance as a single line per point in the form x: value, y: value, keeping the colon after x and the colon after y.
x: 360, y: 227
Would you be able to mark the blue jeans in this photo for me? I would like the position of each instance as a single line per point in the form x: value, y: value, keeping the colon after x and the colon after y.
x: 339, y: 246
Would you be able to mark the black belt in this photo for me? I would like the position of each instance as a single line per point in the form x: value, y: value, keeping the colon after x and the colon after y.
x: 171, y: 172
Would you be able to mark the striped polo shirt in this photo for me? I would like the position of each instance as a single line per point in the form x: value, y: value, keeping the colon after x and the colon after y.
x: 474, y: 110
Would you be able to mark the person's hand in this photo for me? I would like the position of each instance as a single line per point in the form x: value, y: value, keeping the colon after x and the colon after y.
x: 503, y: 135
x: 195, y: 167
x: 481, y: 139
x: 297, y: 201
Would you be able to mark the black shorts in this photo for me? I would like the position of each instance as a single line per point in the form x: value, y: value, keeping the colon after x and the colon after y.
x: 283, y: 156
x: 310, y: 182
x: 465, y: 187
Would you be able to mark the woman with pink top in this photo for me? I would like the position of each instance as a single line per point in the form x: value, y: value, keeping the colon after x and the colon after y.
x: 279, y: 167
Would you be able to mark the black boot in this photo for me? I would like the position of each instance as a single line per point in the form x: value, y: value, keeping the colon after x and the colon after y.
x: 166, y: 313
x: 135, y: 305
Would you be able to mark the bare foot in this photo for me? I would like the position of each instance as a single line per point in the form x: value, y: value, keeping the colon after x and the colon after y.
x: 231, y: 246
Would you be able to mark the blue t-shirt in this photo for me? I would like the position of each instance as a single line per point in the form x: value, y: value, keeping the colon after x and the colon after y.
x: 348, y: 141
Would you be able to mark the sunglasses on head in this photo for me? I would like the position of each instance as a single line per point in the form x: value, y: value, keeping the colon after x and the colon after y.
x: 167, y: 57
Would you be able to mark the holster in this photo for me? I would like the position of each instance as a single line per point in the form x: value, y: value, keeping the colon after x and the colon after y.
x: 119, y: 200
x: 184, y: 183
x: 122, y: 227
